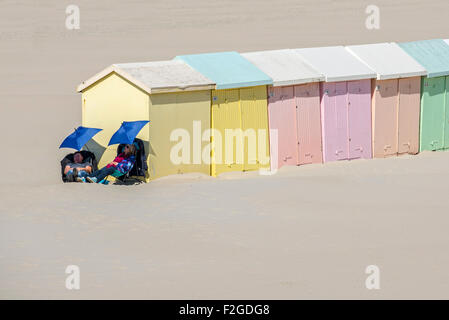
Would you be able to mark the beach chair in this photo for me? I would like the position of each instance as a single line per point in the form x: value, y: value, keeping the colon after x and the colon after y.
x: 88, y: 157
x: 138, y: 170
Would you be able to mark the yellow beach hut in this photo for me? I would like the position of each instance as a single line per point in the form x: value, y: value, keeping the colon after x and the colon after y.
x: 171, y: 94
x: 239, y: 104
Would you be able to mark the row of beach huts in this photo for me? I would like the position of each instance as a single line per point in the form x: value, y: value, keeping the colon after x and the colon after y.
x: 327, y: 104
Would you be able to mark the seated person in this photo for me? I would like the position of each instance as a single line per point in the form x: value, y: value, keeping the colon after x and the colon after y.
x: 78, y: 168
x: 123, y: 163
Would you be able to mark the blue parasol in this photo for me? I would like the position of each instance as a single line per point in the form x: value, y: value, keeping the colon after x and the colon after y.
x: 79, y: 138
x: 127, y: 132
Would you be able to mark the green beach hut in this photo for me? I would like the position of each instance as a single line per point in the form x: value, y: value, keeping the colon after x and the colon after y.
x: 433, y: 55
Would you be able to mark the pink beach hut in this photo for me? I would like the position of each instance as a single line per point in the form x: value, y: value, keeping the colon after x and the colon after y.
x: 395, y: 97
x: 293, y: 107
x: 345, y: 102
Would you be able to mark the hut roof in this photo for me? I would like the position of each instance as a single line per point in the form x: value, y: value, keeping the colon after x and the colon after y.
x: 388, y: 60
x: 336, y: 63
x: 431, y: 54
x: 156, y: 77
x: 227, y: 69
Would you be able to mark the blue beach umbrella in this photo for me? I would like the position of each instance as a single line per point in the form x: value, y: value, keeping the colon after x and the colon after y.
x: 127, y: 132
x: 79, y: 138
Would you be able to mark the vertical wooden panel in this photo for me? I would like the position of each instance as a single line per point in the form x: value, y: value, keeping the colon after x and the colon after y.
x: 254, y: 118
x: 432, y: 113
x: 359, y: 119
x: 408, y: 115
x: 262, y: 110
x: 308, y: 123
x: 385, y: 118
x: 226, y: 114
x: 250, y: 123
x: 446, y: 123
x: 282, y: 117
x: 334, y: 114
x: 342, y: 121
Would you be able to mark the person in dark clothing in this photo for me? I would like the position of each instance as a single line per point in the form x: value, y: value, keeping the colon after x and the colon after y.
x: 77, y: 168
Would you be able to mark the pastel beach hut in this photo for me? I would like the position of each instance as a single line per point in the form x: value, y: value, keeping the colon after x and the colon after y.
x: 239, y: 104
x: 345, y: 102
x: 395, y: 98
x: 433, y: 55
x: 293, y: 107
x: 171, y: 94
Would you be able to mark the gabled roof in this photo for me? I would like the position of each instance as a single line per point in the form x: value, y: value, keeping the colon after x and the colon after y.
x: 431, y: 54
x: 285, y: 67
x: 336, y: 63
x: 156, y: 77
x: 388, y: 60
x: 227, y: 69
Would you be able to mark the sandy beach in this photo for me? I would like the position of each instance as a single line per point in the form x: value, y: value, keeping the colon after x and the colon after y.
x: 306, y: 232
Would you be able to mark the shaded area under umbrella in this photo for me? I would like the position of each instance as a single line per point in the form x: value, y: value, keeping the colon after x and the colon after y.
x: 79, y: 138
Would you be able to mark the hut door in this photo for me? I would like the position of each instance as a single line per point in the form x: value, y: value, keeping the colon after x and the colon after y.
x: 225, y: 115
x: 308, y: 123
x: 432, y: 113
x: 408, y: 115
x: 385, y: 118
x: 446, y: 123
x: 359, y: 119
x: 254, y: 117
x: 334, y: 106
x: 282, y: 117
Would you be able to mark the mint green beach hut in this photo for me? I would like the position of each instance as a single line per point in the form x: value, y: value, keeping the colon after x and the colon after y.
x: 433, y: 55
